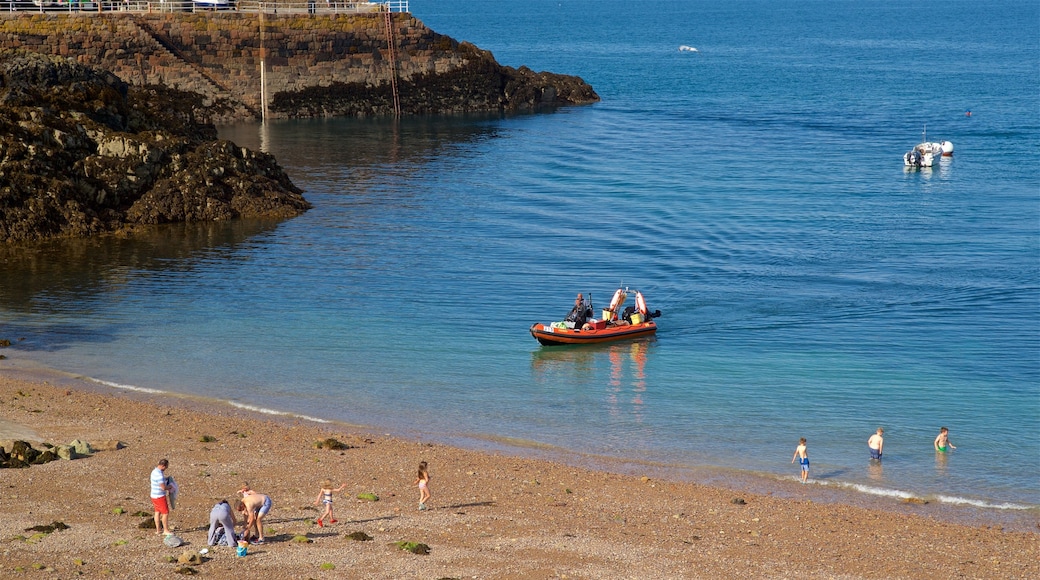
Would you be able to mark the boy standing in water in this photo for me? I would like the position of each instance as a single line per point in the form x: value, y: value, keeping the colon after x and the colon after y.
x: 802, y: 456
x: 942, y: 441
x: 876, y: 443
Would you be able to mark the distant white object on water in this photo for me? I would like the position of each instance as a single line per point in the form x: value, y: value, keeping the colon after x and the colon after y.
x: 947, y: 148
x: 685, y: 48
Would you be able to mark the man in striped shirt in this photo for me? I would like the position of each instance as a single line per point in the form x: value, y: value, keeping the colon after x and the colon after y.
x: 158, y: 494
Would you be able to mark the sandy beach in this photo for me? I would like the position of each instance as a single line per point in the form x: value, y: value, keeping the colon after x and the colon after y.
x: 491, y: 515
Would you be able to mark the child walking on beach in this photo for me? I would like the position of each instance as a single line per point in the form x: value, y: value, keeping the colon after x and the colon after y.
x: 325, y: 497
x: 423, y: 479
x: 802, y: 456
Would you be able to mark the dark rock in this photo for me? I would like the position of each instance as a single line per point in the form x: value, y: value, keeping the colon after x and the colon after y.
x: 48, y: 528
x: 82, y: 153
x: 479, y: 85
x: 45, y: 457
x: 331, y: 443
x: 738, y: 501
x: 359, y: 537
x: 414, y: 547
x: 24, y: 452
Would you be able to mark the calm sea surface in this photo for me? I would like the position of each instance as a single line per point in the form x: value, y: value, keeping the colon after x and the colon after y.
x: 753, y: 190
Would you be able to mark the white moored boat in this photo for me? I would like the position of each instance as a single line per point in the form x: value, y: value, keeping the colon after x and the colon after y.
x: 924, y: 154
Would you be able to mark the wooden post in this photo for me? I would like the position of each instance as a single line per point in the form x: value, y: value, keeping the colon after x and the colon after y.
x: 263, y: 70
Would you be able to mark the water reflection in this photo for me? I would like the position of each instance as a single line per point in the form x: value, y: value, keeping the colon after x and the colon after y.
x: 875, y: 470
x: 48, y: 277
x: 627, y: 383
x: 306, y: 144
x: 625, y: 372
x: 940, y: 464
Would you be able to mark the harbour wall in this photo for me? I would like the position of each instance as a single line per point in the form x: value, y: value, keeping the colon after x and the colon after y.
x: 219, y: 54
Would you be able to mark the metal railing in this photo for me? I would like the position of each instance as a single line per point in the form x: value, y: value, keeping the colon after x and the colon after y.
x: 249, y: 6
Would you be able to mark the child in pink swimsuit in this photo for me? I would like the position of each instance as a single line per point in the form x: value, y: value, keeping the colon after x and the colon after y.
x: 423, y: 479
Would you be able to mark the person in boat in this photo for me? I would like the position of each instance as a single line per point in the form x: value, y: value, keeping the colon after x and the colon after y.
x: 581, y: 312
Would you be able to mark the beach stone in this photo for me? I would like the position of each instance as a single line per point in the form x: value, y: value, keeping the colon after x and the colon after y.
x: 108, y: 445
x: 48, y: 528
x: 82, y: 447
x: 368, y: 496
x: 359, y: 537
x: 23, y: 451
x: 189, y: 558
x: 738, y: 501
x: 45, y: 457
x: 414, y: 547
x: 66, y: 452
x: 331, y: 443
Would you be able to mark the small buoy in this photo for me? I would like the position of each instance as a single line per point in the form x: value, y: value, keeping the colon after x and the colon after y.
x: 967, y: 113
x: 947, y: 148
x: 685, y: 48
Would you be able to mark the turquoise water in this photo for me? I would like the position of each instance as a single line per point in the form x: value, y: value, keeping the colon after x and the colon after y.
x: 753, y: 190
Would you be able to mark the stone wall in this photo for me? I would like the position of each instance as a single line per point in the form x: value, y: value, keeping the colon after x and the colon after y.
x: 218, y: 54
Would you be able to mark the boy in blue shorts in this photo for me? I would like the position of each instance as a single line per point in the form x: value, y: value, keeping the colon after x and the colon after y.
x: 802, y: 456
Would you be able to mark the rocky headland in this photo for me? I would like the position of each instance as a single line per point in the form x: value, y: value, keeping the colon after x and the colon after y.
x: 82, y: 153
x: 107, y: 122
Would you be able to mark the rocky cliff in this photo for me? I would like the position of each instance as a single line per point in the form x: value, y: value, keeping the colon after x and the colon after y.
x: 318, y: 65
x: 82, y: 152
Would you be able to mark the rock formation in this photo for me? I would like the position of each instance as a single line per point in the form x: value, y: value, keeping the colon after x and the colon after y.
x: 82, y: 153
x: 478, y: 84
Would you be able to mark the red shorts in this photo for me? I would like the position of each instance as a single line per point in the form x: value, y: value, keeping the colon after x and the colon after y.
x: 160, y: 505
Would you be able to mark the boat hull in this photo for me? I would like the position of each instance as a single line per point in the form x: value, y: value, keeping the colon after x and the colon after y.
x: 549, y: 336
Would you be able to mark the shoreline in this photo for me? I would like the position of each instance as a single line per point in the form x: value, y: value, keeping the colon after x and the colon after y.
x: 959, y: 511
x: 492, y: 515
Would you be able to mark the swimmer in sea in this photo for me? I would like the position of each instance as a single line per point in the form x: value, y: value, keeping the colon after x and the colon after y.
x: 942, y: 441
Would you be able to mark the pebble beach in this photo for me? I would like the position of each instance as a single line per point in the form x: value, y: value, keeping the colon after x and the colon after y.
x: 491, y: 515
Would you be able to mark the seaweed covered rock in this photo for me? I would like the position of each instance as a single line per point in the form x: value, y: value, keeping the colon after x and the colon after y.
x: 82, y: 153
x: 478, y: 84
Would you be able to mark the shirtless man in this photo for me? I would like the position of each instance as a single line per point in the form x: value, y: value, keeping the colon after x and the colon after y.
x: 255, y: 505
x: 876, y: 443
x: 942, y: 441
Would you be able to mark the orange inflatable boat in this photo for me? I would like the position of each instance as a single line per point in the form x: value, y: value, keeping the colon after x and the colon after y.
x: 579, y: 327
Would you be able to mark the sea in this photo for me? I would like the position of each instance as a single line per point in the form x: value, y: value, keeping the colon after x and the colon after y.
x: 751, y: 186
